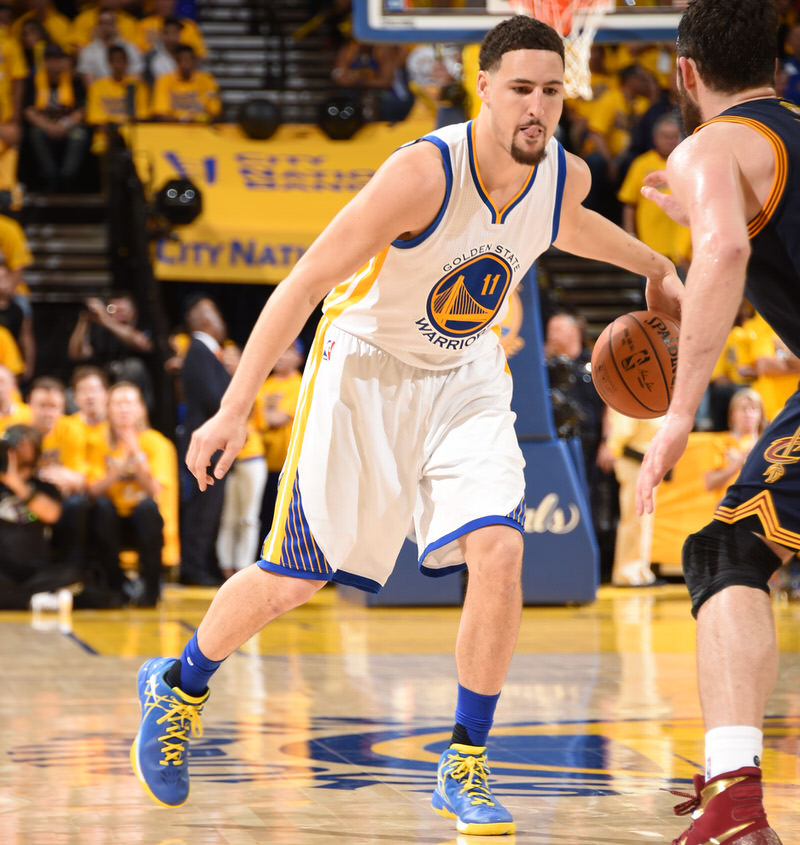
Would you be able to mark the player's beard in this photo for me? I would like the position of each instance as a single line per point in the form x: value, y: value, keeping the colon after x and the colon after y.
x: 690, y: 111
x: 529, y: 157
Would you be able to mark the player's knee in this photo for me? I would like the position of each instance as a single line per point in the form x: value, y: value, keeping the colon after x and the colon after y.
x: 286, y: 592
x: 497, y: 552
x: 720, y: 556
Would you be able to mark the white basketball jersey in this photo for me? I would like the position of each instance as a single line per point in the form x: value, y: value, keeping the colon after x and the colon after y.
x: 432, y: 300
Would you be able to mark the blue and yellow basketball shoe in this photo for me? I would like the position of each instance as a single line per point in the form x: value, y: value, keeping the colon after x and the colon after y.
x: 462, y: 792
x: 159, y: 752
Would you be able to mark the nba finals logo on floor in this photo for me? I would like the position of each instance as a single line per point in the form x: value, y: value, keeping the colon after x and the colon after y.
x: 465, y: 301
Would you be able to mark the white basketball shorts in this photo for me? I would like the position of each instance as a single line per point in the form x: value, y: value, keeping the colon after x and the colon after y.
x: 377, y: 443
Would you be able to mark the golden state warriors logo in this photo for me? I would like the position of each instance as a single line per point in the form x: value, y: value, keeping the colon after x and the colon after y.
x: 779, y: 453
x: 466, y: 300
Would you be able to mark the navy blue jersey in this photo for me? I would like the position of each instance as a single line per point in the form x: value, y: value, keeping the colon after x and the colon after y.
x: 773, y: 273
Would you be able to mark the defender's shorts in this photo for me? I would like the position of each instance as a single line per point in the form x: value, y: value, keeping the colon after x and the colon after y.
x: 766, y: 496
x: 377, y: 442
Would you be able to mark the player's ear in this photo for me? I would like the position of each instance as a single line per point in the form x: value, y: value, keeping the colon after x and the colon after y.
x: 688, y: 72
x: 483, y: 85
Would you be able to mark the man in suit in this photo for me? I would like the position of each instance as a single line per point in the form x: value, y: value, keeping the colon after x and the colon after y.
x: 204, y: 380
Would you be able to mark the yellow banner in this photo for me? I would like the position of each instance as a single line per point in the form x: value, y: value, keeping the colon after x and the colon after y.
x: 264, y: 202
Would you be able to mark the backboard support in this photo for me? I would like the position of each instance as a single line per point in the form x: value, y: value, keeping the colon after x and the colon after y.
x: 467, y: 21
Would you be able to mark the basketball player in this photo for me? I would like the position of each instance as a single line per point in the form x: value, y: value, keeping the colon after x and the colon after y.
x: 404, y: 408
x: 736, y: 183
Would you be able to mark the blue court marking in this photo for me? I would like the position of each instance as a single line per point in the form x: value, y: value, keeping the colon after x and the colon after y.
x: 84, y: 645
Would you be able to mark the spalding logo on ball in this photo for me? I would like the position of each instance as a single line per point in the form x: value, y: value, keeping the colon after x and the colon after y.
x: 634, y: 363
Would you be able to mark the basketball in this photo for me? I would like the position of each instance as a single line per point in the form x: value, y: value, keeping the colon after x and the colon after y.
x: 634, y: 363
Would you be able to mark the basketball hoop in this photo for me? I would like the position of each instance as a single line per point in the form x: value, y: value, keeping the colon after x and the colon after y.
x: 577, y: 22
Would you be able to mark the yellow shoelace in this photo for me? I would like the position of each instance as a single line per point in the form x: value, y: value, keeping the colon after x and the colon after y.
x: 180, y: 718
x: 475, y: 771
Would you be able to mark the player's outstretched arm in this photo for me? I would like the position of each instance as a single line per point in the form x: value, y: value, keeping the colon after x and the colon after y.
x: 404, y: 195
x: 705, y: 178
x: 584, y: 232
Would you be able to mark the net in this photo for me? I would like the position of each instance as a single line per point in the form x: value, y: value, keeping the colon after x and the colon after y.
x: 577, y: 21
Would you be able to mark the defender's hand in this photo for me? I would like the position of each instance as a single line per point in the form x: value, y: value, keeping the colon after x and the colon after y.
x: 665, y: 449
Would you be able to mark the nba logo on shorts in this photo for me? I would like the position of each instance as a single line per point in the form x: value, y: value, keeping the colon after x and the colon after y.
x: 328, y: 349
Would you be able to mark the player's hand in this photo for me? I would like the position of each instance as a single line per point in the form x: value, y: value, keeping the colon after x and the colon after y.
x: 665, y: 294
x: 666, y: 202
x: 665, y: 449
x: 222, y: 432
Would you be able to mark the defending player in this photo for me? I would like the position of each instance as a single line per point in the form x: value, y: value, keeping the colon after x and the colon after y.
x: 736, y: 182
x: 405, y: 404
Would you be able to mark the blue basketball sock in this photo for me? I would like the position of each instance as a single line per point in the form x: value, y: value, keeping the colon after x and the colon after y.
x: 474, y: 715
x: 195, y: 669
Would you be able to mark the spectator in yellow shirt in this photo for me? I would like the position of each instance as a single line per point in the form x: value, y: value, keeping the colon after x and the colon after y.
x: 125, y: 512
x: 90, y: 394
x: 610, y: 122
x: 640, y: 217
x: 12, y: 409
x: 16, y: 317
x: 188, y: 95
x: 13, y: 70
x: 10, y: 356
x: 115, y: 99
x: 62, y: 464
x: 148, y: 32
x: 14, y: 248
x: 746, y: 421
x: 775, y: 368
x: 57, y: 26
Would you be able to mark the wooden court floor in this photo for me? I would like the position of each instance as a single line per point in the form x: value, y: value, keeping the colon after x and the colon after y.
x: 326, y: 728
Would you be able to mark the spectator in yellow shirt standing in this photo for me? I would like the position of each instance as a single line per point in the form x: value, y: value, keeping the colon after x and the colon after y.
x: 628, y: 442
x: 188, y: 95
x: 643, y: 218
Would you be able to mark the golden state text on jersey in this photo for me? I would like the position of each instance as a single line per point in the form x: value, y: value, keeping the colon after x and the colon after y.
x: 431, y: 300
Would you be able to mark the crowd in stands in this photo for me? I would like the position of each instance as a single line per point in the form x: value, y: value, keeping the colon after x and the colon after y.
x: 88, y: 489
x: 64, y: 81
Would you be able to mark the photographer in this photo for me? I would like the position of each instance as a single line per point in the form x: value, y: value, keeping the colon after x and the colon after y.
x: 28, y: 509
x: 107, y: 335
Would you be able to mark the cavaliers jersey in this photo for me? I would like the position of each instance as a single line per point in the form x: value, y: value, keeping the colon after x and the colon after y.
x: 773, y: 273
x: 432, y: 300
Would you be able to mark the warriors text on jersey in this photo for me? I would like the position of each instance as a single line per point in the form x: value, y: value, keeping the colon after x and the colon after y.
x: 432, y: 300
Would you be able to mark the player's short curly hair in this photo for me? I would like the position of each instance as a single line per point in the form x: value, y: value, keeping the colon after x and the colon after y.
x: 519, y: 32
x: 734, y: 43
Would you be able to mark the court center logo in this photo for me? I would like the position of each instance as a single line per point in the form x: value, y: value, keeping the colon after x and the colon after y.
x: 466, y: 300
